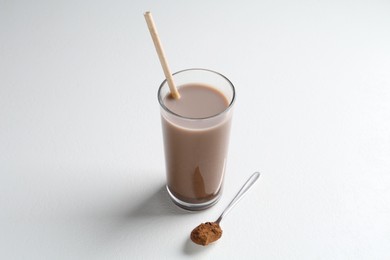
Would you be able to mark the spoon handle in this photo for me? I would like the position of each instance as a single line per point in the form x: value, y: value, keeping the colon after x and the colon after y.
x: 239, y: 195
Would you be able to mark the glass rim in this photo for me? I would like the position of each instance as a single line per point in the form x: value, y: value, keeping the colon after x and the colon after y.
x: 160, y: 100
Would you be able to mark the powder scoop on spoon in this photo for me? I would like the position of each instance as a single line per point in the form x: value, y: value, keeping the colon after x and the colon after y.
x: 209, y: 232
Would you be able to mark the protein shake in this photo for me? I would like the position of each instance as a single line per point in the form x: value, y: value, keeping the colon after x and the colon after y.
x: 196, y: 131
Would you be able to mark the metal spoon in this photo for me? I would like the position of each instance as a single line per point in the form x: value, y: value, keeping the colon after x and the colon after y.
x: 239, y: 195
x: 209, y: 232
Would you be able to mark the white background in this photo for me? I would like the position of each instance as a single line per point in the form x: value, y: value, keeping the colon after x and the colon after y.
x: 81, y: 157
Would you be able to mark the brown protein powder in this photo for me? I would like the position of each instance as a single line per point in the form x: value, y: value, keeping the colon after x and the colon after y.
x: 206, y: 233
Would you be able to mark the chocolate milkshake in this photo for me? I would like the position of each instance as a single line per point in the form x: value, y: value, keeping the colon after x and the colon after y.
x: 196, y: 131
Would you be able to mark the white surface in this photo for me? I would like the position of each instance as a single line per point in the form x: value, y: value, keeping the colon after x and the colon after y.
x: 81, y: 158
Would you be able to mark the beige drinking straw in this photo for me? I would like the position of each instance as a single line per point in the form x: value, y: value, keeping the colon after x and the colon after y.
x: 161, y: 55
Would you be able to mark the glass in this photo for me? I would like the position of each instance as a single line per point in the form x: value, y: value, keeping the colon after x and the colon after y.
x: 196, y: 148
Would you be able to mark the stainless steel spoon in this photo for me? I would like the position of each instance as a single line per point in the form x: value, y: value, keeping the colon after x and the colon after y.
x: 239, y: 195
x: 209, y: 232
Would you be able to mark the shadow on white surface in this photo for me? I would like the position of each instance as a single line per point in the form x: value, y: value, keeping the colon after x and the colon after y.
x: 190, y: 248
x: 160, y: 204
x: 130, y: 222
x: 157, y: 204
